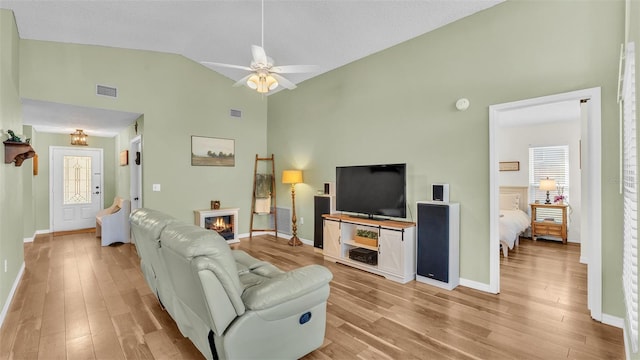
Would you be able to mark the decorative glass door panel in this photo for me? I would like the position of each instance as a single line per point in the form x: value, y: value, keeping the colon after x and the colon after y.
x: 77, y: 180
x: 76, y: 187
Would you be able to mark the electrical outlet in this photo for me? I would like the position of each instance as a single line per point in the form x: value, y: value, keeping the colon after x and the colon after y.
x: 301, y: 220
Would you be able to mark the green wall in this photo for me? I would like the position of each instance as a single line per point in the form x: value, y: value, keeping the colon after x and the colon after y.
x: 398, y: 106
x: 41, y: 182
x: 11, y: 189
x: 28, y: 188
x: 178, y: 98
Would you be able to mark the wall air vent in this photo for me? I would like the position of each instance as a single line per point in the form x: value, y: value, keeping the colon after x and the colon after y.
x: 106, y: 91
x: 235, y: 113
x: 284, y: 220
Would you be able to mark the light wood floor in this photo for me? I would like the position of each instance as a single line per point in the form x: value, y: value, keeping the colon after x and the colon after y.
x: 78, y: 300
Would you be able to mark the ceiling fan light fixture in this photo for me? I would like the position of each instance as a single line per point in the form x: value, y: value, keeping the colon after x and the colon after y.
x: 264, y: 77
x: 262, y: 83
x: 253, y: 81
x: 272, y: 82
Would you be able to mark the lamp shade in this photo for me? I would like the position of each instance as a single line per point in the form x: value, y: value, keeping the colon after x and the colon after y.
x: 547, y: 184
x: 262, y: 82
x: 291, y: 176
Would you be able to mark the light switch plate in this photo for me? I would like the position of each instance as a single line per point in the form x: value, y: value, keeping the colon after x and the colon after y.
x: 156, y: 187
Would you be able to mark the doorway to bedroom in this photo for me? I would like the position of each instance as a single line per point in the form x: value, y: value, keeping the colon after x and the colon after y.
x: 571, y: 119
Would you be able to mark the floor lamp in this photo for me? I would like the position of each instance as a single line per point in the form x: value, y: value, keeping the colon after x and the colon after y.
x: 293, y: 177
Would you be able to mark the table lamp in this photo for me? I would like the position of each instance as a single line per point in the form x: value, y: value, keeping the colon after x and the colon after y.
x: 547, y: 185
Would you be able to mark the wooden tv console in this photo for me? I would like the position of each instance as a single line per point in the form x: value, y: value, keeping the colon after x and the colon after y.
x: 396, y: 247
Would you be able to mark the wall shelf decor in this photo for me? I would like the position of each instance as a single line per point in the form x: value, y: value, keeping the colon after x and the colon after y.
x: 17, y: 152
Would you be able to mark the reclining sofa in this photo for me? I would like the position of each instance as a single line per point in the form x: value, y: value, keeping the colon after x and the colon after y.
x: 229, y: 304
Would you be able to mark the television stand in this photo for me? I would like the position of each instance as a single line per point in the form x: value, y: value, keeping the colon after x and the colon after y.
x: 394, y: 247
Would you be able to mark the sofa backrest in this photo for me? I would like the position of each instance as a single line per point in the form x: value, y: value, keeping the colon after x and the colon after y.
x: 146, y: 226
x: 203, y: 273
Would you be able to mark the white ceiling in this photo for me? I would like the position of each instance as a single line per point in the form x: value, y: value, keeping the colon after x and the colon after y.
x: 327, y: 33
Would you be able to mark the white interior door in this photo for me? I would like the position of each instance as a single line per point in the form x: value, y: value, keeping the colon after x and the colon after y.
x: 76, y: 187
x: 135, y: 164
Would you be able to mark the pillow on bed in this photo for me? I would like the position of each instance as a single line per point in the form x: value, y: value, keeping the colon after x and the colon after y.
x: 509, y: 201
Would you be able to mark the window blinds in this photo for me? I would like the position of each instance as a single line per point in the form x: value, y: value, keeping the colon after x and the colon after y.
x: 551, y: 162
x: 630, y: 197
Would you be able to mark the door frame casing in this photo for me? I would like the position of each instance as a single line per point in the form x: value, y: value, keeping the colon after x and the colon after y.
x: 135, y: 176
x: 592, y: 211
x: 51, y: 176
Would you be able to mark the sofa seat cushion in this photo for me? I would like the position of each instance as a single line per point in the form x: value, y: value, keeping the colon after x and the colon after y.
x: 285, y: 286
x: 258, y: 275
x: 253, y: 271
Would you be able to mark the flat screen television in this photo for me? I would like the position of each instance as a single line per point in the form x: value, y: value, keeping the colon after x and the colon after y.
x: 372, y: 190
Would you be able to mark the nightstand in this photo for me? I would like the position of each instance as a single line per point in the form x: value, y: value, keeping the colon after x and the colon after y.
x: 545, y: 227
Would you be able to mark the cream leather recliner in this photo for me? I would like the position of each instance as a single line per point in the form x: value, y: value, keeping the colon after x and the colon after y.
x: 231, y: 305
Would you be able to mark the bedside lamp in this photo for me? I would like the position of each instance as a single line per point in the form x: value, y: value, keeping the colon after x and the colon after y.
x: 293, y: 177
x: 547, y: 185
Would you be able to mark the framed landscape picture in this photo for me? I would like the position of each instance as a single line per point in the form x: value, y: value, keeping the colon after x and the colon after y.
x: 208, y: 151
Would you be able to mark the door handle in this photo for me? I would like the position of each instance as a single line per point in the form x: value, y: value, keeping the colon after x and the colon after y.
x: 136, y: 199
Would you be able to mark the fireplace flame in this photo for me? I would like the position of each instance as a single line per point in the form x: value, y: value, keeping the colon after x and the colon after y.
x: 220, y: 225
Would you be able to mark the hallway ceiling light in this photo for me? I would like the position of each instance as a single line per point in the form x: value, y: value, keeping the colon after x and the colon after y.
x: 79, y: 138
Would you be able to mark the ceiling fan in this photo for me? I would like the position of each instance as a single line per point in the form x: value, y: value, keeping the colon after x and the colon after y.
x: 264, y: 76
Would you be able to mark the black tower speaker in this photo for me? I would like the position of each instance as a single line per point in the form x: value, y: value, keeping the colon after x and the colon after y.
x: 433, y: 241
x: 321, y: 205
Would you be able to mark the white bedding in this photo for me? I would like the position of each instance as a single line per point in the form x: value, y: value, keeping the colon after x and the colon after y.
x: 512, y: 223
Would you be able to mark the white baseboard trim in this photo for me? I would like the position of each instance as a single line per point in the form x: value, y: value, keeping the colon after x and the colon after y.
x: 280, y: 235
x: 36, y: 233
x: 584, y: 260
x: 613, y: 320
x: 255, y: 233
x: 475, y: 285
x: 7, y: 304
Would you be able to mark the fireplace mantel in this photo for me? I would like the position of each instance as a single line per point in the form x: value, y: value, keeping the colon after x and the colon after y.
x: 208, y: 219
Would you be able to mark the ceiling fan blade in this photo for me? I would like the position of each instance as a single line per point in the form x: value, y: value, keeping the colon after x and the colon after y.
x: 259, y: 56
x: 208, y: 63
x: 292, y: 69
x: 284, y: 82
x: 242, y: 81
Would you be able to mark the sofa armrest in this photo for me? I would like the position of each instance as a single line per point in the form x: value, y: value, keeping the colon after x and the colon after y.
x: 285, y: 287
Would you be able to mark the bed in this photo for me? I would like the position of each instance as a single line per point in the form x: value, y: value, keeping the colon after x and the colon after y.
x: 514, y: 219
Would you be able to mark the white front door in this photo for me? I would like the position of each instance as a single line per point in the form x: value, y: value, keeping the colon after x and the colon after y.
x: 76, y: 187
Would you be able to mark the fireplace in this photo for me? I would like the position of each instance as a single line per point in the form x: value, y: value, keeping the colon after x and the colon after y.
x: 223, y: 221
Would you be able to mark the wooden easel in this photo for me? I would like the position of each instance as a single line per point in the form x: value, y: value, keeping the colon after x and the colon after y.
x: 272, y: 207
